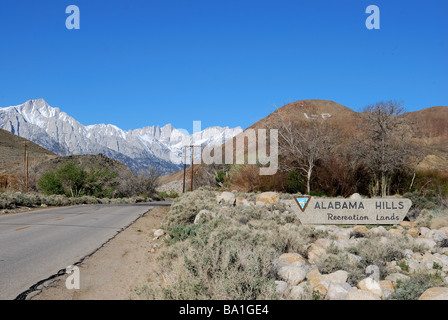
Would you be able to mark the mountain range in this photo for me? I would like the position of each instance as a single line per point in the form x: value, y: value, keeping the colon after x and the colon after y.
x: 56, y: 131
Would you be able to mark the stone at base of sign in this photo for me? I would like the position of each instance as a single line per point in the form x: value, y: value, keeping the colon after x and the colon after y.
x: 353, y: 211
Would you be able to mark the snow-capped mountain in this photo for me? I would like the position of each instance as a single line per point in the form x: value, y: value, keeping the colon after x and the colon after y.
x: 160, y: 147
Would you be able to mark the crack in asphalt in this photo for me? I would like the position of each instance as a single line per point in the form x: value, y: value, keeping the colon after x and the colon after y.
x: 33, y: 288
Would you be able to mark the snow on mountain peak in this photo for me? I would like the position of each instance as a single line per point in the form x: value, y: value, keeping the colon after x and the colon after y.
x: 153, y: 145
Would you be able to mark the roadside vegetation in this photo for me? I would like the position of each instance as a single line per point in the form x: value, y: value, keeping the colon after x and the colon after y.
x: 71, y: 184
x: 222, y: 251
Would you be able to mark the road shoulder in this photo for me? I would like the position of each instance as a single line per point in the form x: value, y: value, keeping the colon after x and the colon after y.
x: 114, y: 270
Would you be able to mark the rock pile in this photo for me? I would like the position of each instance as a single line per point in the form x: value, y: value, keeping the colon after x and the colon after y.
x: 299, y: 275
x: 296, y: 273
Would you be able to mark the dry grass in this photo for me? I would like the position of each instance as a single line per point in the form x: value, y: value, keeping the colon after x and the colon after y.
x: 229, y: 257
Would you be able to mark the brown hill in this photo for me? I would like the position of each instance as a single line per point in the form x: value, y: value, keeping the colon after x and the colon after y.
x: 85, y: 162
x: 12, y: 153
x: 303, y: 110
x: 40, y: 161
x: 430, y: 126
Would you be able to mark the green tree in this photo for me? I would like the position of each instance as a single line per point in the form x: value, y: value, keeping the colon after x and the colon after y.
x: 100, y: 183
x: 73, y: 178
x: 50, y: 184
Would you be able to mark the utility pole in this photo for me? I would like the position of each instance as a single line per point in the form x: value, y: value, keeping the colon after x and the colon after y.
x: 25, y: 164
x: 192, y: 165
x: 26, y: 176
x: 185, y: 167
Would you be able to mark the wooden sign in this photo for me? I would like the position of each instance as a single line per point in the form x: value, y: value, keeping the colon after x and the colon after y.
x: 350, y: 211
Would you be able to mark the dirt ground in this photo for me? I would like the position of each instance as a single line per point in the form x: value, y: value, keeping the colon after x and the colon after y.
x: 114, y: 270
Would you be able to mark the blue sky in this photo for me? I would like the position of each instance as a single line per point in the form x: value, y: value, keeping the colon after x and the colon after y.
x: 137, y: 63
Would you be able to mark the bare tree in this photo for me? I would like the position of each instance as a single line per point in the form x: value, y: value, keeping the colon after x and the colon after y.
x: 303, y: 144
x: 386, y: 144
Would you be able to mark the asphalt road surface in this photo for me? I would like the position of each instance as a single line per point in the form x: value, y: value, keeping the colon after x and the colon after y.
x: 37, y: 245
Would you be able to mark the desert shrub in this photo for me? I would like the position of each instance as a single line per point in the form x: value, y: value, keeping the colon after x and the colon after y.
x: 185, y: 208
x: 11, y: 200
x: 339, y: 260
x: 421, y: 201
x: 424, y: 218
x: 226, y: 257
x: 414, y: 287
x: 180, y: 233
x: 221, y: 266
x: 165, y: 195
x: 376, y: 251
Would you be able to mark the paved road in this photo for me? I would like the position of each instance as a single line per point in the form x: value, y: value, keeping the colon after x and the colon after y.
x: 38, y: 244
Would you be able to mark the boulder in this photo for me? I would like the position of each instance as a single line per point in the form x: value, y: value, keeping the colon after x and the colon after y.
x: 241, y: 201
x: 440, y: 239
x: 268, y: 198
x: 343, y: 235
x: 444, y: 230
x: 354, y: 259
x: 158, y: 233
x: 435, y: 293
x: 394, y: 277
x: 321, y: 289
x: 226, y: 198
x: 314, y: 252
x: 395, y: 232
x: 296, y: 292
x: 368, y: 284
x: 287, y: 203
x: 414, y: 232
x: 387, y: 287
x: 338, y: 291
x: 281, y: 287
x: 314, y: 277
x: 355, y: 196
x: 424, y: 231
x: 441, y: 259
x: 392, y: 267
x: 360, y: 230
x: 203, y: 213
x: 288, y: 258
x: 339, y: 276
x: 293, y: 273
x: 356, y: 294
x: 407, y: 224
